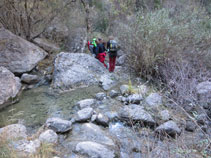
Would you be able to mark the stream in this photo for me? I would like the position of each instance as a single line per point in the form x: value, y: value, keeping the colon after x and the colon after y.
x: 37, y: 104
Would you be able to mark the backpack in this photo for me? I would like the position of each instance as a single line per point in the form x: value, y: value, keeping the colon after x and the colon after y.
x: 113, y: 46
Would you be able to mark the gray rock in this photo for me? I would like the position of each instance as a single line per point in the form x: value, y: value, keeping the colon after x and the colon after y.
x: 113, y: 93
x: 169, y: 128
x: 94, y: 150
x: 134, y: 98
x: 46, y: 45
x: 17, y: 54
x: 86, y: 103
x: 14, y: 131
x: 124, y: 89
x: 127, y: 139
x: 90, y: 132
x: 84, y: 114
x: 190, y: 126
x: 48, y: 136
x: 30, y: 79
x: 154, y: 100
x: 70, y: 71
x: 102, y: 120
x: 10, y: 86
x: 204, y: 87
x: 111, y: 115
x: 94, y: 117
x: 100, y: 96
x: 165, y: 115
x: 136, y: 113
x: 107, y: 81
x: 121, y: 60
x: 201, y: 119
x: 59, y: 125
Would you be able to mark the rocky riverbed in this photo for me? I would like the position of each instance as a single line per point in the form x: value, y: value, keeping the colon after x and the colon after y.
x: 84, y: 111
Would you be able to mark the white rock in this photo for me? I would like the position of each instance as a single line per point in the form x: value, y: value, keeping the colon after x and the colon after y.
x: 86, y: 103
x: 84, y: 114
x: 48, y: 136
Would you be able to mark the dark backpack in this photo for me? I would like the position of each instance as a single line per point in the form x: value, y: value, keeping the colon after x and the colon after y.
x: 113, y: 46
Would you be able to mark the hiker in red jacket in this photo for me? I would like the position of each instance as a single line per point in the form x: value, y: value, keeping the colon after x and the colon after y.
x: 112, y: 47
x: 101, y: 52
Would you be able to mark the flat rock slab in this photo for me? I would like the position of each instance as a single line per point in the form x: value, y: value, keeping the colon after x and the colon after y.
x: 59, y: 125
x: 90, y: 132
x: 17, y: 54
x: 46, y: 45
x: 9, y: 85
x: 94, y: 150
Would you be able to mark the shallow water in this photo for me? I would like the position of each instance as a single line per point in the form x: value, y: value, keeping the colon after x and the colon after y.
x: 36, y: 105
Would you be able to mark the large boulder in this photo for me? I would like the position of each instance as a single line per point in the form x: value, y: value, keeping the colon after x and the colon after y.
x: 136, y: 113
x: 73, y: 70
x: 46, y: 45
x: 9, y: 86
x: 17, y: 54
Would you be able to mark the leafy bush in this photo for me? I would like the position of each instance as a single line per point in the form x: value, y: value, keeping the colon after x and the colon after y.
x: 170, y: 48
